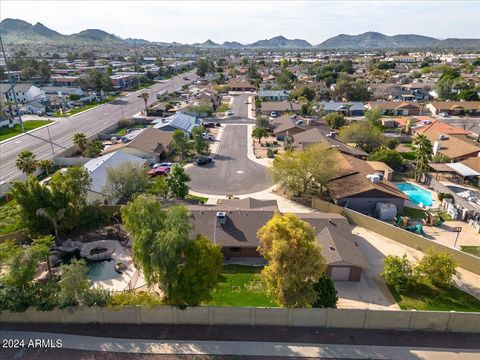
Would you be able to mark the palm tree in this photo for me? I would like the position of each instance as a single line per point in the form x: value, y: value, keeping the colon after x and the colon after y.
x: 348, y: 106
x: 26, y: 162
x: 81, y: 140
x: 259, y: 133
x: 46, y: 165
x: 423, y: 154
x: 54, y: 217
x: 145, y: 97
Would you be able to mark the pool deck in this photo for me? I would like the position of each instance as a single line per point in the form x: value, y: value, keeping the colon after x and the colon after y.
x: 435, y: 202
x: 119, y: 255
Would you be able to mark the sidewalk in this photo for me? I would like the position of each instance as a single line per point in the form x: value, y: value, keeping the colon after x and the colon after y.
x: 243, y: 348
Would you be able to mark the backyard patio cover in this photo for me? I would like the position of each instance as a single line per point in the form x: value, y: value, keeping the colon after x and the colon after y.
x: 463, y: 169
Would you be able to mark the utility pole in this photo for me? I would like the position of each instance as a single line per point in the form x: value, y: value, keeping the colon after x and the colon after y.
x: 12, y: 87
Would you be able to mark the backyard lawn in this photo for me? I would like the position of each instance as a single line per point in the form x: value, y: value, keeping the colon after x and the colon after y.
x: 9, y: 218
x: 413, y: 213
x: 424, y: 296
x: 472, y: 250
x: 16, y: 130
x: 241, y: 286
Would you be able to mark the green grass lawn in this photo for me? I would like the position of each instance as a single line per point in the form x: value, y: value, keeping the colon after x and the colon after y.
x: 413, y: 213
x: 86, y: 107
x: 472, y: 250
x: 10, y: 220
x: 195, y: 197
x: 409, y: 155
x: 123, y: 130
x: 241, y: 286
x: 428, y: 297
x: 16, y: 130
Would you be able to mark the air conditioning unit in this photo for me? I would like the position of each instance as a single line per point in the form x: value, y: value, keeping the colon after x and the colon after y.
x: 221, y: 217
x: 442, y: 137
x: 374, y: 178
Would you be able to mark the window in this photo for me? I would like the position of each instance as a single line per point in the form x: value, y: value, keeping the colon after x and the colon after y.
x: 235, y: 249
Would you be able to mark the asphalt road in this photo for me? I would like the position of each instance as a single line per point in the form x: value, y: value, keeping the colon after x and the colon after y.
x: 232, y: 172
x: 91, y: 123
x: 239, y: 108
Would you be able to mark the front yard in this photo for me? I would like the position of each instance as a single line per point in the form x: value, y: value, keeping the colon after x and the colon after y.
x: 7, y: 133
x: 472, y: 250
x: 10, y: 220
x: 261, y: 150
x: 241, y: 286
x: 77, y: 110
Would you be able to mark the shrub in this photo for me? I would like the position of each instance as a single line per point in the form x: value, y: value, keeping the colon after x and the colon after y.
x: 326, y: 293
x: 275, y: 142
x: 398, y: 272
x: 133, y: 298
x: 442, y: 196
x: 95, y: 297
x: 439, y: 268
x: 270, y: 153
x: 391, y: 144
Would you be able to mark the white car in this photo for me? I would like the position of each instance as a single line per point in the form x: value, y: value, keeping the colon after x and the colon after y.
x: 207, y: 136
x: 229, y: 112
x: 444, y: 114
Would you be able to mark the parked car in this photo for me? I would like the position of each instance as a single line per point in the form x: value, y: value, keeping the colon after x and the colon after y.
x: 164, y: 164
x: 159, y: 171
x: 247, y: 102
x: 229, y: 112
x: 203, y: 160
x: 186, y: 78
x: 444, y: 114
x: 207, y: 136
x: 209, y: 125
x: 273, y: 114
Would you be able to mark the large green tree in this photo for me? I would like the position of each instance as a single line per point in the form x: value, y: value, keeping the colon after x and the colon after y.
x: 259, y: 133
x: 365, y: 135
x: 180, y: 143
x: 176, y: 183
x: 295, y: 262
x: 306, y: 171
x: 80, y: 139
x: 199, y: 143
x: 198, y: 274
x: 390, y: 157
x: 335, y: 120
x: 126, y: 180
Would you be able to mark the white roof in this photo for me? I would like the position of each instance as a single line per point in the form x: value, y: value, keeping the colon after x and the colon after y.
x: 462, y: 169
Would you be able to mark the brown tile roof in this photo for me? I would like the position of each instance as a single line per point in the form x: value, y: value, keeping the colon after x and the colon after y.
x: 442, y: 128
x: 353, y: 180
x: 316, y: 135
x: 473, y: 163
x: 392, y: 105
x: 456, y: 105
x: 280, y: 106
x: 454, y: 146
x: 240, y: 83
x: 150, y: 140
x: 241, y: 227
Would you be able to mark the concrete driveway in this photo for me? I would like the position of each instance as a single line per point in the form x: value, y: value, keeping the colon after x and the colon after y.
x: 232, y: 172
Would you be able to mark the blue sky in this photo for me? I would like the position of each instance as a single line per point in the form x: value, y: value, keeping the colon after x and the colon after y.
x: 248, y: 21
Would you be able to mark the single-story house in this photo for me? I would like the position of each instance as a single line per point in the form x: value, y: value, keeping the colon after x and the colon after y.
x: 454, y: 147
x: 97, y: 168
x: 353, y: 108
x: 234, y: 224
x: 395, y: 107
x: 240, y: 84
x: 323, y: 135
x: 356, y: 189
x: 279, y: 107
x: 149, y: 144
x: 273, y: 95
x: 178, y: 121
x: 434, y: 125
x: 454, y: 107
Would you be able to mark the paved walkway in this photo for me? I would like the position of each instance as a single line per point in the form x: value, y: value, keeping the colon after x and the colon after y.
x: 244, y: 348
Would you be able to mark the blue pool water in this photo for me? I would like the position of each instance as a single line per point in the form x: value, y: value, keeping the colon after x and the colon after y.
x: 103, y: 270
x: 416, y: 194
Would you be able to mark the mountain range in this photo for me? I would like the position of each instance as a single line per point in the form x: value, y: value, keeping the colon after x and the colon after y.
x: 16, y: 31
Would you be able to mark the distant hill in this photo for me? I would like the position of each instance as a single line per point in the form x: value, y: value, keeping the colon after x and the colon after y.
x: 232, y: 45
x: 207, y: 44
x: 131, y: 41
x: 375, y: 40
x: 16, y: 31
x: 281, y: 42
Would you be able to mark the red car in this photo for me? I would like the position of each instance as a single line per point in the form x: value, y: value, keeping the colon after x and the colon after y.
x: 159, y: 171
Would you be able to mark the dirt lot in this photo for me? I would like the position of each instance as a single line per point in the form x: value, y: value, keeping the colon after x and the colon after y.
x: 260, y: 150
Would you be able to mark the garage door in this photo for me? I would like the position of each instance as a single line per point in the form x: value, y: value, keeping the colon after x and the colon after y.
x: 341, y: 273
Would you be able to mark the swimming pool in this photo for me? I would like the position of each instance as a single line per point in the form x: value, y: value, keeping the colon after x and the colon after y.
x: 103, y: 270
x: 416, y: 194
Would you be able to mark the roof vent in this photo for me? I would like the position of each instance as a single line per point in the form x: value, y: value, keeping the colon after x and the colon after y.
x: 442, y: 137
x: 374, y: 178
x: 221, y: 217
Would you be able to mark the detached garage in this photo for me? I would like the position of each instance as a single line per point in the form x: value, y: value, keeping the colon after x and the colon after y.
x: 345, y: 261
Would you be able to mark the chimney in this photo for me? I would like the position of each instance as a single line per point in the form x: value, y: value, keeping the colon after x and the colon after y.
x: 436, y: 147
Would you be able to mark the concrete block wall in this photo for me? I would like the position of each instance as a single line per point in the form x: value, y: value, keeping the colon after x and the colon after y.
x: 340, y: 318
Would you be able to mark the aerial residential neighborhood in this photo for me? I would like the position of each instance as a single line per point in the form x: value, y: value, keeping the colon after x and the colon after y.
x: 162, y: 195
